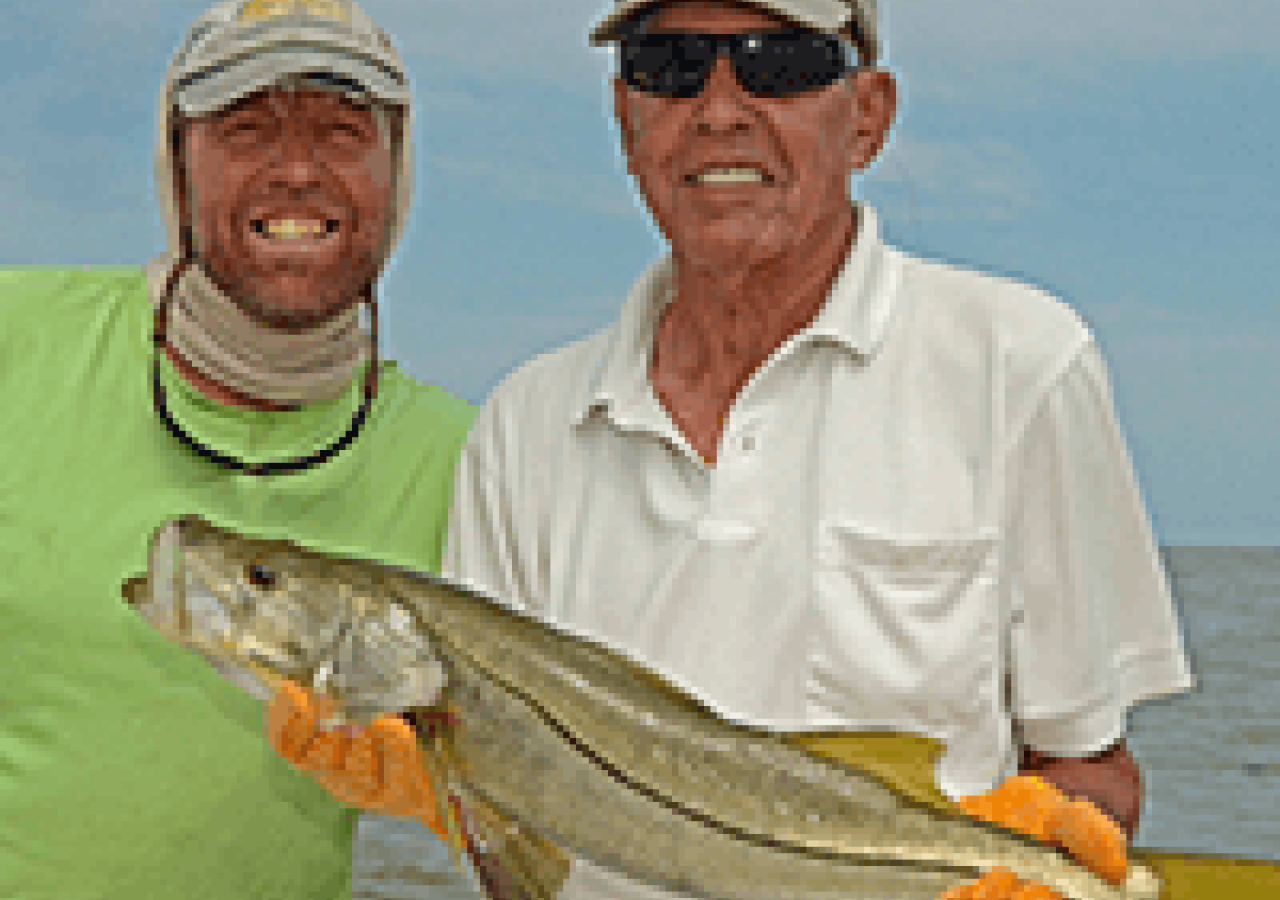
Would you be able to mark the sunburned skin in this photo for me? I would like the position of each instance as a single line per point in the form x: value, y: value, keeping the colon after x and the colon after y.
x: 292, y: 195
x: 752, y: 192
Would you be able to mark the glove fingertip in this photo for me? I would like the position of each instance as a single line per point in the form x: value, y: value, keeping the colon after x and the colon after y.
x: 362, y: 765
x: 998, y: 883
x: 432, y: 820
x: 294, y: 710
x: 966, y: 891
x: 326, y: 753
x: 1093, y: 839
x: 394, y: 728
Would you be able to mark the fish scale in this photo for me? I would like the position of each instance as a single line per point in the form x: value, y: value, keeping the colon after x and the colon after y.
x: 573, y: 741
x: 525, y: 761
x: 743, y: 779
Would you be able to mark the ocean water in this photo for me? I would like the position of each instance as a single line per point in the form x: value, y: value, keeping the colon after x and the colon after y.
x: 1210, y: 759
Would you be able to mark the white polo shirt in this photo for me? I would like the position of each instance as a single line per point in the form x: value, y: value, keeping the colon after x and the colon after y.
x: 924, y: 491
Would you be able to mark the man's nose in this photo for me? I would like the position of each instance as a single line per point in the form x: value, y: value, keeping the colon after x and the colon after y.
x: 296, y: 165
x: 722, y: 107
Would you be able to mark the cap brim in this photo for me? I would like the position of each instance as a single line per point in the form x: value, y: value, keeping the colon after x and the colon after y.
x: 208, y: 91
x: 606, y: 30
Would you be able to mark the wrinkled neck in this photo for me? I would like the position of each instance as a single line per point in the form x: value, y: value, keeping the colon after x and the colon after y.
x: 722, y: 325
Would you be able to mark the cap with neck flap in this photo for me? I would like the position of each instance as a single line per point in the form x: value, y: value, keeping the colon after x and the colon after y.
x: 242, y: 46
x: 234, y: 49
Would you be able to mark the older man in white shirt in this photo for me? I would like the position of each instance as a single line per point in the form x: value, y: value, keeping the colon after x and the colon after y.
x: 822, y: 483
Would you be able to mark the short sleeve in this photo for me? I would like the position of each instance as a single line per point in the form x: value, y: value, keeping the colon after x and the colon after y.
x: 1093, y: 626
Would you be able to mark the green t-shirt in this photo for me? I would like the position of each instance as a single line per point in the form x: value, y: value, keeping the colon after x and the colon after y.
x: 130, y: 770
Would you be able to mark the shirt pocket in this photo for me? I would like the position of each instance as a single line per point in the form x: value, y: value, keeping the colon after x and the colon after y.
x: 905, y: 627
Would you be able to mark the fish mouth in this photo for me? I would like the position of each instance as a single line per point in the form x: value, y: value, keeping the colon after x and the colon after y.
x: 159, y: 596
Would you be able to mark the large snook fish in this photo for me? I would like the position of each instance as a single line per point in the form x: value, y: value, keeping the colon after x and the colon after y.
x: 560, y: 744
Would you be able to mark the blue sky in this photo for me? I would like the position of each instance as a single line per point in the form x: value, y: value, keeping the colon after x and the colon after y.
x: 1121, y: 153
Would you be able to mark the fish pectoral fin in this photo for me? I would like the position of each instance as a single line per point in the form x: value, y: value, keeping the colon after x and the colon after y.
x: 439, y: 778
x: 535, y: 863
x: 537, y: 867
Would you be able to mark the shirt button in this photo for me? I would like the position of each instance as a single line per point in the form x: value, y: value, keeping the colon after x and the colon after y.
x: 748, y: 444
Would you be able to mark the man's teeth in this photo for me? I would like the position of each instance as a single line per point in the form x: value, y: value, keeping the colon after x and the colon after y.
x: 289, y: 229
x: 730, y: 175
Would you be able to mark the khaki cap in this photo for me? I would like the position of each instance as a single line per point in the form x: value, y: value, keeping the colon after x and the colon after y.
x: 241, y: 46
x: 820, y: 15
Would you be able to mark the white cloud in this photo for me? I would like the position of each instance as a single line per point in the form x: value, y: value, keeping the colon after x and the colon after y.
x: 1173, y: 29
x: 522, y: 34
x: 64, y: 229
x: 1157, y: 328
x: 548, y: 40
x: 470, y: 353
x: 535, y: 181
x: 948, y: 181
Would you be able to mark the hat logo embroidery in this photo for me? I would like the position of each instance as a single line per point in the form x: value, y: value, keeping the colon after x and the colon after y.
x: 261, y: 10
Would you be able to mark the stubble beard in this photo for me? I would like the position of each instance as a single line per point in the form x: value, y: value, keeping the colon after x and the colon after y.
x: 261, y: 303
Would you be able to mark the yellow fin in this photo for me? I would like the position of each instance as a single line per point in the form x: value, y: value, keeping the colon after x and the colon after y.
x: 906, y: 762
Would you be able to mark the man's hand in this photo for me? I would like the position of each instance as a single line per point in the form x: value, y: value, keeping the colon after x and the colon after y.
x: 378, y: 768
x: 1034, y: 807
x: 1110, y: 780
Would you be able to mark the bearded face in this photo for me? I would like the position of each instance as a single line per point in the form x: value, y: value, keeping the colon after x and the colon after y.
x: 292, y: 193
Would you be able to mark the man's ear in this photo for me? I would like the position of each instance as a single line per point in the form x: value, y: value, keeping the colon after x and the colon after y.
x: 875, y: 106
x: 622, y: 109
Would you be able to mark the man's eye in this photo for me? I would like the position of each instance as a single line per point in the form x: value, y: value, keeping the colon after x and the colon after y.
x: 242, y: 132
x: 345, y: 133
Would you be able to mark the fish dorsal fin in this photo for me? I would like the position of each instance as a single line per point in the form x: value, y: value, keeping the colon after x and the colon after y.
x: 905, y: 762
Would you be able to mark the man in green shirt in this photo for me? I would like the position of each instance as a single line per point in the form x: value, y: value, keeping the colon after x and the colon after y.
x: 235, y: 381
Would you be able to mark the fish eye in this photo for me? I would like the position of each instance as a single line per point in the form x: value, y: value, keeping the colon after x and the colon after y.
x: 260, y: 576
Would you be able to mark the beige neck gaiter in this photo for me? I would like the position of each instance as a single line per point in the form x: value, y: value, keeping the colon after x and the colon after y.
x: 283, y: 366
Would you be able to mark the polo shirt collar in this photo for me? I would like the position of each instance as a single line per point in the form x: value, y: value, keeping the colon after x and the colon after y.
x: 854, y: 317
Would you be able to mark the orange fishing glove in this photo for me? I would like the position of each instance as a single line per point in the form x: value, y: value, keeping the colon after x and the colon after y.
x: 1035, y: 807
x: 379, y: 769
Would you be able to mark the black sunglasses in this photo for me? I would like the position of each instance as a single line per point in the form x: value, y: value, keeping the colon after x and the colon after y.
x: 768, y: 63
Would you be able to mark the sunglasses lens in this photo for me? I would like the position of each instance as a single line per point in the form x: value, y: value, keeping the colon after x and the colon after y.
x: 780, y: 65
x: 772, y: 64
x: 673, y: 65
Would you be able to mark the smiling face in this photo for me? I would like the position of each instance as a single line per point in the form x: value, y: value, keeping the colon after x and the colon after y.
x: 736, y: 179
x: 292, y: 196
